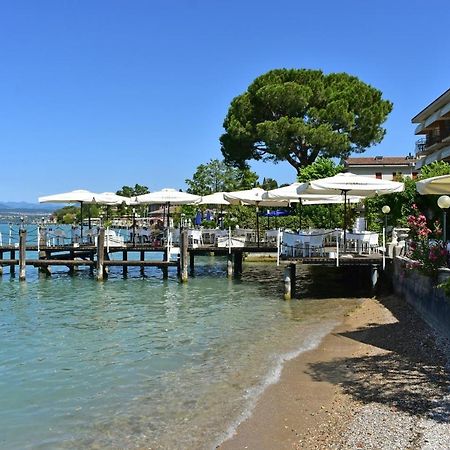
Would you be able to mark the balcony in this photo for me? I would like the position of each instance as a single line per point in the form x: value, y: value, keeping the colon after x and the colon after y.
x: 434, y: 141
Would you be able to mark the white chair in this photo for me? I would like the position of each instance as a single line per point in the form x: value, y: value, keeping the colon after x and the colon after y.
x: 373, y: 242
x: 195, y: 238
x: 59, y: 237
x: 316, y: 245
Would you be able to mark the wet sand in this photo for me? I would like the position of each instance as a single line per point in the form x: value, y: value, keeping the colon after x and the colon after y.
x: 377, y: 381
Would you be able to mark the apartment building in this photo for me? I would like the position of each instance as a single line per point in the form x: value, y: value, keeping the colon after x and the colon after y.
x: 382, y: 167
x: 433, y: 124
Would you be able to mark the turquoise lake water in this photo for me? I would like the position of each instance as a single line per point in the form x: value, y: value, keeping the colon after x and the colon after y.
x: 145, y: 362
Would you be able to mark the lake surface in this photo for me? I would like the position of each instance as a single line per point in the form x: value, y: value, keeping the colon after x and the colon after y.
x: 145, y: 362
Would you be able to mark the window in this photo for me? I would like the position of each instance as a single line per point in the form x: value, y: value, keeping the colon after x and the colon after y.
x: 378, y: 175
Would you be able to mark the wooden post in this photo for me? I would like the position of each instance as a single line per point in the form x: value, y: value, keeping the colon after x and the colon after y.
x: 92, y: 258
x: 184, y: 256
x: 164, y: 269
x: 142, y: 259
x: 12, y: 267
x: 125, y: 267
x: 1, y: 267
x: 289, y: 281
x: 72, y: 267
x: 374, y: 275
x: 230, y: 265
x: 100, y: 253
x: 238, y: 263
x: 42, y: 253
x: 293, y: 278
x: 22, y: 254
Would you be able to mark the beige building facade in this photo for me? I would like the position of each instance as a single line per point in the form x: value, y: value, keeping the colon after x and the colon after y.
x: 433, y: 125
x: 382, y: 167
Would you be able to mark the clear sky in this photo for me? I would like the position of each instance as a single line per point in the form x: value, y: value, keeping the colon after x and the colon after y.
x: 97, y: 94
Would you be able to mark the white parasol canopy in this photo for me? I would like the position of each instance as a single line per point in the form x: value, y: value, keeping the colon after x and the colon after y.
x: 171, y: 196
x: 436, y: 185
x: 214, y: 199
x: 349, y: 183
x: 293, y: 193
x: 353, y: 184
x: 308, y: 199
x: 77, y: 196
x: 110, y: 199
x: 253, y: 196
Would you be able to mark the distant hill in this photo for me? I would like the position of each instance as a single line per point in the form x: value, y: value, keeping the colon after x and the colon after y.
x: 25, y: 207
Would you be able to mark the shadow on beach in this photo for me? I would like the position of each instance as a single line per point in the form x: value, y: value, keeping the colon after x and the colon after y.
x: 407, y: 373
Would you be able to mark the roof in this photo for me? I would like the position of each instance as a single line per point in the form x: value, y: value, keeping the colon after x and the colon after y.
x: 381, y: 161
x: 441, y: 101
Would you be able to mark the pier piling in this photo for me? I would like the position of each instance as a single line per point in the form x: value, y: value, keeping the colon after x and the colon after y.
x: 238, y: 263
x: 230, y: 265
x: 100, y: 254
x: 289, y: 281
x: 22, y: 254
x: 12, y: 266
x: 142, y: 266
x: 125, y: 267
x: 184, y: 256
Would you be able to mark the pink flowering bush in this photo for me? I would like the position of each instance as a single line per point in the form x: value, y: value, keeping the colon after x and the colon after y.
x: 428, y: 254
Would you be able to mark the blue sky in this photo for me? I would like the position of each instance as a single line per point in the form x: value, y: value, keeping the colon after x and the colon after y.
x: 99, y: 94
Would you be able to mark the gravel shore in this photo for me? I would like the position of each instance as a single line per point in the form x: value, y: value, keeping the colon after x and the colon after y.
x: 379, y: 381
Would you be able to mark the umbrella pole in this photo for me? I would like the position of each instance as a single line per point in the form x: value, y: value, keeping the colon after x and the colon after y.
x: 345, y: 220
x: 81, y: 220
x: 300, y: 211
x: 257, y: 224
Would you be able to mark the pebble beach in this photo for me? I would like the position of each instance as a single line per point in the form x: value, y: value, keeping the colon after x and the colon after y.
x: 378, y: 381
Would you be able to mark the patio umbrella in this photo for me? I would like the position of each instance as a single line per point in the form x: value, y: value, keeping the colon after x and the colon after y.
x: 214, y: 199
x: 294, y: 193
x: 110, y: 199
x: 356, y: 185
x: 253, y: 197
x: 77, y: 196
x: 167, y: 196
x: 436, y: 185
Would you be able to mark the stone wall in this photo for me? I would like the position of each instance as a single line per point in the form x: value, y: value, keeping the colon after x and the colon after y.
x: 423, y: 294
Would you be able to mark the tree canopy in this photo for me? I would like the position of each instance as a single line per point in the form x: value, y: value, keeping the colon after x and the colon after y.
x: 217, y: 176
x: 129, y: 191
x: 320, y: 168
x: 297, y: 115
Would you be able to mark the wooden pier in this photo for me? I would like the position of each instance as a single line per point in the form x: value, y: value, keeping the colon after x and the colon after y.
x: 97, y: 257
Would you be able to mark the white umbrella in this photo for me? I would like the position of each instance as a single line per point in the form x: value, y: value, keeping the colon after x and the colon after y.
x: 354, y: 184
x: 214, y: 199
x: 293, y: 193
x: 329, y: 200
x: 110, y: 199
x: 253, y: 197
x: 358, y: 185
x: 167, y: 196
x: 77, y: 196
x: 436, y: 185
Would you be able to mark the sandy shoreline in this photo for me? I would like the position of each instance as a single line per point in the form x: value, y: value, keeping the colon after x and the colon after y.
x: 377, y: 381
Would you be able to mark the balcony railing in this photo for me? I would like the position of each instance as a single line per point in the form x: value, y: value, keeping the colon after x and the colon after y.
x: 423, y: 144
